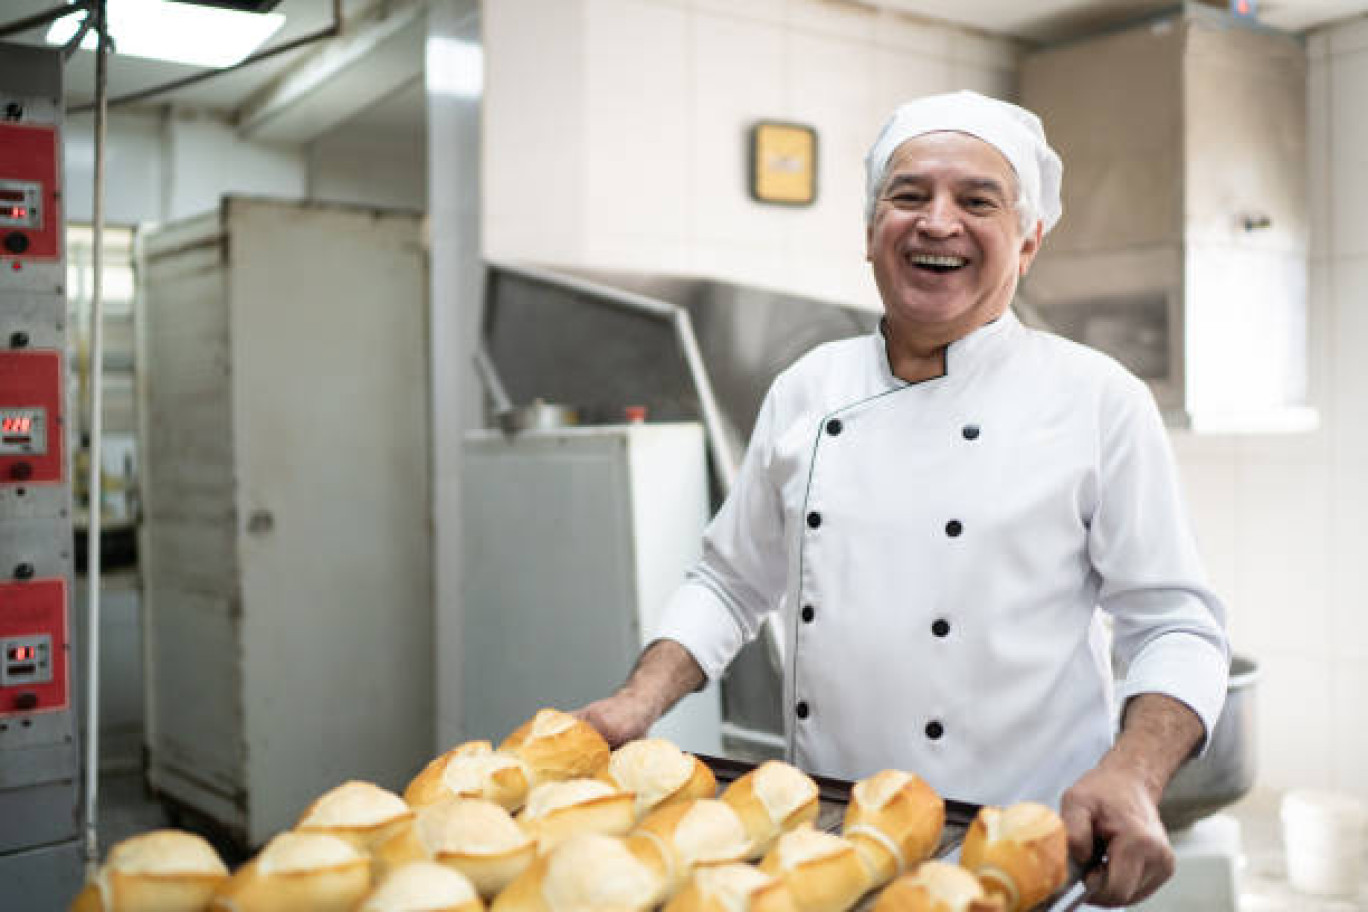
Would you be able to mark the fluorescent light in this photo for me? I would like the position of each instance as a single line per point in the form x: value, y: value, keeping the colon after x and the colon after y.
x: 455, y: 67
x: 179, y: 32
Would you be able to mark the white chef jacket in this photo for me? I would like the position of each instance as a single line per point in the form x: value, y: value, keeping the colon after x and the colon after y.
x: 940, y: 554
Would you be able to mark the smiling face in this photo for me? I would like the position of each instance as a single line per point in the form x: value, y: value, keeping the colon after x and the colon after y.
x: 945, y: 242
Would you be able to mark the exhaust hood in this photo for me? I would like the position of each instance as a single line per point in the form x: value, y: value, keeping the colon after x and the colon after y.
x: 1183, y: 251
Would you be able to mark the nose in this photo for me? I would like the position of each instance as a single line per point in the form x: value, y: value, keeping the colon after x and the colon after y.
x: 940, y: 218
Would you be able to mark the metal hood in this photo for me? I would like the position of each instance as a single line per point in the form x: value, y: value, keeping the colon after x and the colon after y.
x: 1183, y: 250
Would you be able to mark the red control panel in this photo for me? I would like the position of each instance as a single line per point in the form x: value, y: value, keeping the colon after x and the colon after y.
x: 33, y: 646
x: 30, y: 217
x: 31, y: 427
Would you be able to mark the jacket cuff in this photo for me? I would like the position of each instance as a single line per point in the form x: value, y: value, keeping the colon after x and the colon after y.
x: 697, y: 619
x: 1189, y: 669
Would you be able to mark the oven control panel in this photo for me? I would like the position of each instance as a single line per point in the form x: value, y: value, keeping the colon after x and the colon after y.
x: 33, y: 646
x: 30, y: 417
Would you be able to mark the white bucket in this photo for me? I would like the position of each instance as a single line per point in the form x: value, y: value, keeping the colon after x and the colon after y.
x: 1323, y: 836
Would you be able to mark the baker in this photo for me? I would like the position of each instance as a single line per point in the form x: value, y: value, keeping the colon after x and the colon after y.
x: 949, y: 515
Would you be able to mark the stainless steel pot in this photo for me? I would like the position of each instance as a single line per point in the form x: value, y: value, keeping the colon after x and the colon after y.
x: 1225, y: 773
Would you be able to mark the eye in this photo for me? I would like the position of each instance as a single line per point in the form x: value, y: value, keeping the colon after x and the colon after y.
x: 907, y: 198
x: 981, y: 204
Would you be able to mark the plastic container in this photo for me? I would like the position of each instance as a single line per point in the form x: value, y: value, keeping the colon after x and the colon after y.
x: 1323, y: 837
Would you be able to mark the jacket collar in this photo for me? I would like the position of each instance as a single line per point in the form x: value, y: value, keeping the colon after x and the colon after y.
x: 963, y: 356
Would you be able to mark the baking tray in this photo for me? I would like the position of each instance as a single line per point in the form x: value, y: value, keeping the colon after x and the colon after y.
x: 834, y: 795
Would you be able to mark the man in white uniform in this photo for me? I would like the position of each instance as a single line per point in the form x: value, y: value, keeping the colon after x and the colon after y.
x: 943, y: 512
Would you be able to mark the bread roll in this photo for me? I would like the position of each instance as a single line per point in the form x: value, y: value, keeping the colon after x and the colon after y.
x: 689, y: 834
x: 732, y: 888
x: 658, y: 773
x: 823, y: 871
x: 1021, y: 853
x: 937, y: 887
x: 557, y: 746
x: 472, y: 770
x: 557, y: 810
x: 296, y: 871
x: 160, y: 871
x: 586, y: 873
x: 424, y: 886
x: 476, y: 837
x: 772, y: 799
x: 359, y: 812
x: 895, y: 821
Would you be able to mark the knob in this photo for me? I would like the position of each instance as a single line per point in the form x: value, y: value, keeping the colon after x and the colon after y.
x: 16, y: 242
x: 25, y: 701
x: 23, y: 571
x: 19, y: 339
x: 21, y: 471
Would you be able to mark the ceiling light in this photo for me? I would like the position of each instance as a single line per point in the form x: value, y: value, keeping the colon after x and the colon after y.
x: 179, y: 32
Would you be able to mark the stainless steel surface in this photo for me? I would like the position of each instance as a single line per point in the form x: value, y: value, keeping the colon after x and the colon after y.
x: 1226, y: 772
x: 285, y: 656
x: 687, y: 349
x: 1183, y: 250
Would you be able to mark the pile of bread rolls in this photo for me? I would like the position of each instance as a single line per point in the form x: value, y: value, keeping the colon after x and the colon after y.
x: 554, y: 821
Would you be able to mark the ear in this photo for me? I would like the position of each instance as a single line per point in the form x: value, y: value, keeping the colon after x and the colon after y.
x: 1030, y: 246
x: 869, y: 240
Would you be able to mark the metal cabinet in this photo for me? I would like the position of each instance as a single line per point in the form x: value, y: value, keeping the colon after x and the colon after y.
x: 283, y: 426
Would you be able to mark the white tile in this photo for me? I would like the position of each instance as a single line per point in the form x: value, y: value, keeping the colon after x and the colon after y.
x: 1320, y: 334
x: 908, y: 34
x: 1349, y: 722
x: 1349, y: 322
x: 835, y: 279
x: 995, y: 83
x: 1210, y: 491
x: 771, y: 11
x: 1347, y: 545
x: 1318, y: 44
x: 1349, y: 37
x: 738, y: 79
x: 832, y: 18
x: 1295, y: 734
x: 984, y: 50
x: 1319, y: 138
x: 759, y: 264
x: 638, y: 90
x: 607, y: 249
x: 1349, y: 153
x: 900, y: 77
x: 1283, y: 517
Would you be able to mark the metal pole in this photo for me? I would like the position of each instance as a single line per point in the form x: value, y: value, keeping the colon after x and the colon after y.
x: 92, y: 732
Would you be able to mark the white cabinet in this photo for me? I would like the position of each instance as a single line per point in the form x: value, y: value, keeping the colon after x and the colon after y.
x: 284, y: 421
x: 574, y: 541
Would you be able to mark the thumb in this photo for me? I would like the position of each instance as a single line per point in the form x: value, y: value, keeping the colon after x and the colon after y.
x: 1079, y: 823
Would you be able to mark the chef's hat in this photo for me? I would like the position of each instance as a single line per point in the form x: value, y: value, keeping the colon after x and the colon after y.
x: 1012, y: 130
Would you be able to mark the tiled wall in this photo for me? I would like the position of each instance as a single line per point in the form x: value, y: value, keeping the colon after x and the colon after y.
x: 1283, y: 521
x: 615, y: 136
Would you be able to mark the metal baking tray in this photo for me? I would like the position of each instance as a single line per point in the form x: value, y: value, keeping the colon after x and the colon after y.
x: 834, y: 795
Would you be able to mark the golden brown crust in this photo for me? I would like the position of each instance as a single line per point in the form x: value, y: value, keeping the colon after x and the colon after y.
x: 589, y: 871
x: 557, y: 746
x: 611, y: 815
x: 88, y: 900
x: 1026, y: 862
x: 415, y: 887
x: 937, y: 887
x: 681, y: 836
x: 895, y: 820
x: 161, y: 869
x: 829, y: 882
x: 762, y: 825
x: 459, y: 831
x: 650, y: 795
x: 337, y: 888
x: 506, y: 786
x: 762, y: 892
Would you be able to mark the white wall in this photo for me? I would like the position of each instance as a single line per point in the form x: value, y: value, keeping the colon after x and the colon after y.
x: 161, y: 167
x: 615, y: 130
x: 1282, y: 520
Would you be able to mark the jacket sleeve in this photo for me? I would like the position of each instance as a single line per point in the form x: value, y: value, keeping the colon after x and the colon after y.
x: 1169, y: 627
x: 740, y: 576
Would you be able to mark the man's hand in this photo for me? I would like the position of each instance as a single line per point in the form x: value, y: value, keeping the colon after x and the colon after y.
x: 664, y: 674
x: 1116, y: 804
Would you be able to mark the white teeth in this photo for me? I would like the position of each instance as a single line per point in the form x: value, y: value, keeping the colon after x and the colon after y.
x: 928, y: 259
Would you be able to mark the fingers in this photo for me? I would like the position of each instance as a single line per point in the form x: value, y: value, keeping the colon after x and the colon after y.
x: 1078, y: 822
x: 1137, y: 866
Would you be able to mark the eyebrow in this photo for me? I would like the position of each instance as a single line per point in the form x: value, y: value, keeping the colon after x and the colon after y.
x: 982, y: 184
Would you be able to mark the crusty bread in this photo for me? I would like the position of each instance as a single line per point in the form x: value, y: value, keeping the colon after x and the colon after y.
x: 359, y: 812
x: 1021, y: 853
x: 164, y: 870
x: 732, y: 888
x: 658, y: 773
x: 823, y: 871
x: 679, y: 837
x: 772, y: 799
x: 476, y: 837
x: 895, y: 820
x: 557, y: 746
x: 295, y: 871
x: 424, y: 886
x: 472, y: 770
x: 558, y: 810
x: 586, y: 873
x: 937, y: 887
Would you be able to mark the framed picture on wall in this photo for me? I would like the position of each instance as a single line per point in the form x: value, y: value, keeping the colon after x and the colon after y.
x: 783, y: 163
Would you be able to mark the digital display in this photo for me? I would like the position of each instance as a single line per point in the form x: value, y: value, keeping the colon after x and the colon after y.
x: 22, y: 431
x: 17, y: 424
x: 18, y: 213
x: 12, y: 196
x: 19, y: 202
x: 22, y: 654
